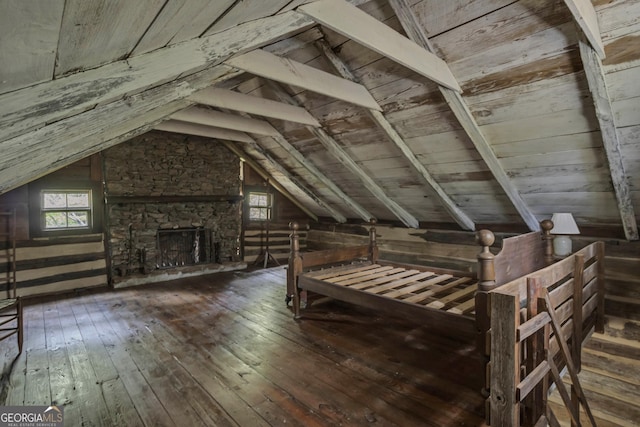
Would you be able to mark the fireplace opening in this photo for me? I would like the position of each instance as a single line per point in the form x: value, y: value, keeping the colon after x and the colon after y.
x: 184, y: 246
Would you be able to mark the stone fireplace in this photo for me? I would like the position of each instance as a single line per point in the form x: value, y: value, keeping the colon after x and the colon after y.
x: 173, y: 206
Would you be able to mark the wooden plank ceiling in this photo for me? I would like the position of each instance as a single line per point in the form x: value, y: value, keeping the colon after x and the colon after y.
x: 459, y: 112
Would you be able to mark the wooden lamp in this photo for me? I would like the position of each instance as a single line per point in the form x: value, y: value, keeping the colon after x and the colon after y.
x: 563, y: 226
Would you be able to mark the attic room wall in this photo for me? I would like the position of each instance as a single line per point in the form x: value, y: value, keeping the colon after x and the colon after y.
x: 166, y: 181
x: 57, y: 261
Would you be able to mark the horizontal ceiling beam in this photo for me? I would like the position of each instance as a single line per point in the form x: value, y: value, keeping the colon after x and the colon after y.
x: 236, y: 101
x: 34, y: 107
x: 209, y: 117
x: 186, y: 128
x: 361, y: 27
x: 283, y: 70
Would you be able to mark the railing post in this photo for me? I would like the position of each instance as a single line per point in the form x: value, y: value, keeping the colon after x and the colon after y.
x: 373, y: 244
x: 294, y: 269
x: 576, y: 340
x: 601, y: 289
x: 486, y: 282
x: 546, y: 226
x: 535, y: 404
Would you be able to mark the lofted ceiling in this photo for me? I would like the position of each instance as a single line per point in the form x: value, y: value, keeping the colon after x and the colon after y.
x: 465, y: 112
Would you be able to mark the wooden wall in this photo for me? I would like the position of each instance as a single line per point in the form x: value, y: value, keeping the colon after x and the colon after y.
x: 60, y: 263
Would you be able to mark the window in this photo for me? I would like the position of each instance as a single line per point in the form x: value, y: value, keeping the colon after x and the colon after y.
x: 259, y: 206
x: 65, y: 209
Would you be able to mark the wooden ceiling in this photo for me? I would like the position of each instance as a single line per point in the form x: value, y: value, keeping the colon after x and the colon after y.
x: 416, y: 111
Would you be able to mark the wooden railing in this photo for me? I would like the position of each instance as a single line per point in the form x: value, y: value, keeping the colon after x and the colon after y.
x: 538, y: 325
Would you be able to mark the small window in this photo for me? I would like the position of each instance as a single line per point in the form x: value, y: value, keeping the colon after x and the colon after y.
x: 65, y: 210
x: 259, y: 206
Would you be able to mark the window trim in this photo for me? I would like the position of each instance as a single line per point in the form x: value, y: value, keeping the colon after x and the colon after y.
x: 268, y: 207
x: 67, y: 209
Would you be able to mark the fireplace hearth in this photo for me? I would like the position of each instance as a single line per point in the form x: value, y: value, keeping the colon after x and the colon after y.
x: 183, y: 246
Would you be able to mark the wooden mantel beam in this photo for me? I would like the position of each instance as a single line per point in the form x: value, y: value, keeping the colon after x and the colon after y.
x: 36, y: 106
x: 272, y: 67
x: 604, y: 112
x: 361, y: 27
x: 458, y: 214
x: 585, y: 16
x: 338, y: 152
x: 459, y: 107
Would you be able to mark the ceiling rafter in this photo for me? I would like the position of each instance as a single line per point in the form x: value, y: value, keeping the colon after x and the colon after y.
x: 338, y: 152
x: 459, y: 107
x: 30, y: 155
x: 36, y: 106
x: 318, y: 175
x: 604, y: 112
x: 361, y: 27
x: 585, y: 16
x: 190, y: 128
x: 458, y: 214
x: 232, y: 100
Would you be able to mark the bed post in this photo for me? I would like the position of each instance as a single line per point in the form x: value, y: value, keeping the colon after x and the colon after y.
x: 546, y: 226
x: 373, y: 245
x: 294, y: 269
x: 486, y: 282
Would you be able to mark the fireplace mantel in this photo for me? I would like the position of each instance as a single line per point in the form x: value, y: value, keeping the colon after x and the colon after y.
x: 175, y: 199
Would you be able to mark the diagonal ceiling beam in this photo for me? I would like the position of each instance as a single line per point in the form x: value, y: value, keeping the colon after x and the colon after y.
x: 458, y: 214
x: 35, y: 106
x: 357, y: 25
x: 177, y: 126
x: 465, y: 117
x: 338, y: 152
x: 322, y: 178
x: 604, y: 112
x: 265, y: 64
x: 206, y: 116
x: 39, y: 152
x: 585, y: 16
x: 232, y: 100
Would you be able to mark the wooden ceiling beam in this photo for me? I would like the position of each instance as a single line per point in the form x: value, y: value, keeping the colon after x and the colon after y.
x: 264, y: 64
x: 39, y: 152
x: 34, y: 107
x: 361, y: 27
x: 206, y: 116
x: 604, y: 112
x: 177, y: 126
x: 236, y: 101
x: 461, y: 110
x: 585, y: 16
x: 458, y: 214
x: 338, y: 152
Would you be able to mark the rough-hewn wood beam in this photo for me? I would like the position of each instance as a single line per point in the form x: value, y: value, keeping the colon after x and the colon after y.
x: 36, y: 153
x: 265, y: 64
x: 237, y: 101
x: 35, y: 106
x: 206, y: 116
x: 585, y: 16
x: 604, y: 112
x: 465, y: 117
x: 357, y: 25
x: 458, y: 214
x: 338, y: 152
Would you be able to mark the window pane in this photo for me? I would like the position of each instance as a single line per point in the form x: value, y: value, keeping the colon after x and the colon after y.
x: 78, y: 219
x: 54, y: 200
x: 258, y: 199
x: 258, y: 214
x: 78, y: 200
x: 55, y: 220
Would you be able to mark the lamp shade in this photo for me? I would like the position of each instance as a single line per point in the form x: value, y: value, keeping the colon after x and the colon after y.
x: 563, y: 223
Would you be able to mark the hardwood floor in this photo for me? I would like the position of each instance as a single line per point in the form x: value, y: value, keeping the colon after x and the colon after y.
x: 223, y: 350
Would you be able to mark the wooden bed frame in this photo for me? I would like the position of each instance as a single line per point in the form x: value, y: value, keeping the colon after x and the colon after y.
x: 519, y: 273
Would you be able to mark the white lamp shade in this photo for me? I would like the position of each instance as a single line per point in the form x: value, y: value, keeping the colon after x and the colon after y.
x: 563, y: 223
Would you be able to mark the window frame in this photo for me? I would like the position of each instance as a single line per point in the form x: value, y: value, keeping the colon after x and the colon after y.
x: 66, y: 210
x: 268, y: 207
